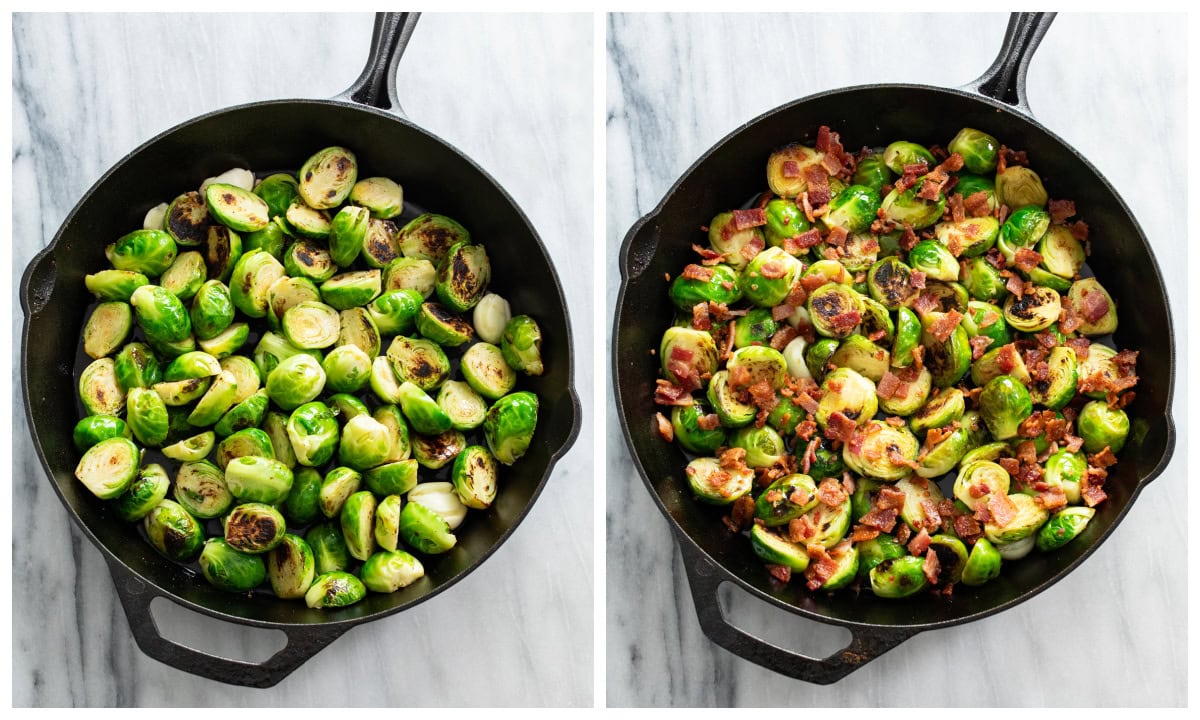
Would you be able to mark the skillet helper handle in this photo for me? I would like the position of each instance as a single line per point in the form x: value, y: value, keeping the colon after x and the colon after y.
x: 705, y: 578
x: 1005, y: 79
x: 302, y: 642
x: 376, y: 86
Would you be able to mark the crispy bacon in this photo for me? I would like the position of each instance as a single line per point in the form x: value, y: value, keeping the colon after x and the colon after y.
x: 944, y: 326
x: 791, y: 169
x: 782, y: 312
x: 1031, y: 427
x: 708, y: 422
x: 752, y: 248
x: 1102, y: 459
x: 708, y: 256
x: 667, y: 393
x: 908, y: 238
x: 889, y: 498
x: 773, y: 270
x: 1002, y: 509
x: 919, y: 544
x: 932, y: 567
x: 1015, y: 285
x: 953, y: 163
x: 966, y: 526
x: 821, y: 566
x: 955, y: 204
x: 1026, y: 259
x: 1092, y: 495
x: 1073, y: 442
x: 1126, y: 361
x: 1060, y: 210
x: 1007, y: 358
x: 697, y: 272
x: 818, y: 185
x: 1079, y: 229
x: 882, y: 519
x: 982, y: 514
x: 862, y: 533
x: 733, y: 459
x: 783, y: 336
x: 924, y: 303
x: 979, y: 344
x: 1051, y: 498
x: 933, y: 516
x: 977, y: 204
x: 686, y: 375
x: 917, y: 279
x: 742, y: 512
x: 1056, y: 429
x: 782, y: 573
x: 903, y: 533
x: 813, y: 281
x: 700, y: 317
x: 664, y: 427
x: 837, y: 236
x: 840, y: 427
x: 746, y: 219
x: 831, y: 493
x: 887, y: 386
x: 1010, y: 465
x: 844, y: 322
x: 1095, y: 306
x: 762, y: 396
x: 801, y: 529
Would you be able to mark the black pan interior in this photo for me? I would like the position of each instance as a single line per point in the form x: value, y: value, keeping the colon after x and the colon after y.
x: 272, y: 136
x: 874, y: 116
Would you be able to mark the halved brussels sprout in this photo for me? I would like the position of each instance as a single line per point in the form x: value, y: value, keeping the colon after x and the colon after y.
x: 978, y: 480
x: 115, y: 284
x: 952, y: 557
x: 776, y: 550
x: 187, y: 220
x: 987, y: 320
x: 446, y: 328
x: 384, y: 382
x: 1063, y: 527
x: 313, y: 430
x: 109, y: 467
x: 972, y: 236
x: 763, y: 445
x: 849, y: 393
x: 418, y: 361
x: 339, y: 484
x: 918, y: 492
x: 148, y: 489
x: 334, y: 589
x: 200, y: 488
x: 94, y: 428
x: 311, y: 325
x: 1030, y: 516
x: 249, y: 286
x: 941, y: 410
x: 941, y: 458
x: 908, y: 397
x: 795, y: 355
x: 863, y: 356
x: 761, y: 364
x: 873, y: 172
x: 463, y: 276
x: 273, y: 349
x: 387, y: 572
x: 393, y: 419
x: 212, y: 310
x: 223, y: 248
x: 410, y: 273
x: 387, y: 522
x: 816, y: 358
x: 731, y: 411
x: 1088, y: 297
x: 1004, y: 405
x: 291, y: 567
x: 1066, y: 469
x: 425, y: 530
x: 890, y: 283
x: 846, y: 570
x: 904, y: 207
x: 295, y: 381
x: 365, y: 443
x: 228, y: 342
x: 474, y: 476
x: 947, y: 296
x: 907, y: 337
x: 106, y: 328
x: 278, y: 191
x: 769, y: 277
x: 465, y: 407
x: 347, y: 369
x: 932, y: 258
x: 982, y: 280
x: 1019, y: 186
x: 1033, y: 311
x: 195, y: 364
x: 358, y: 524
x: 486, y: 371
x: 831, y: 306
x: 422, y: 411
x: 1059, y: 387
x: 395, y: 311
x: 785, y: 220
x: 392, y: 478
x: 1100, y: 425
x: 149, y: 252
x: 509, y: 425
x: 160, y: 314
x: 382, y: 196
x: 982, y: 565
x: 177, y: 393
x: 898, y: 577
x: 430, y: 237
x: 147, y: 416
x: 885, y: 452
x: 1062, y: 254
x: 787, y: 498
x: 351, y: 289
x: 1100, y: 361
x: 238, y: 209
x: 271, y: 239
x: 716, y: 486
x: 490, y: 318
x: 903, y: 152
x: 329, y: 548
x: 723, y: 285
x: 173, y: 532
x: 309, y: 259
x: 327, y: 177
x: 980, y: 151
x: 99, y: 390
x: 947, y: 360
x: 1004, y: 360
x: 380, y: 246
x: 245, y: 372
x: 275, y: 427
x: 258, y: 479
x: 347, y: 233
x: 216, y: 400
x: 685, y: 421
x: 254, y: 528
x: 682, y: 348
x: 786, y: 166
x: 308, y: 222
x: 873, y: 552
x: 853, y: 208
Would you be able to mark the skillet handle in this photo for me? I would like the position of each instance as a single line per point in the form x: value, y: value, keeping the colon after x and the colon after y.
x: 1005, y: 79
x: 376, y: 86
x: 705, y: 578
x: 302, y: 641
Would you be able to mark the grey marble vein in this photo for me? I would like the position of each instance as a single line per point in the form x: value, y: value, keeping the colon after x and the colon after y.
x: 89, y: 88
x: 1114, y: 631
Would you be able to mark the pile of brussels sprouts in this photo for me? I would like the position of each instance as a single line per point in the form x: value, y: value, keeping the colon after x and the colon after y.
x: 821, y: 303
x: 286, y: 346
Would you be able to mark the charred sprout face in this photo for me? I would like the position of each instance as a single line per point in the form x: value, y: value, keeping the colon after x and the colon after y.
x: 761, y: 364
x: 890, y: 283
x: 754, y: 328
x: 882, y: 451
x: 834, y: 310
x: 327, y: 177
x: 381, y: 246
x: 1058, y: 387
x: 291, y: 567
x: 949, y: 359
x: 173, y: 532
x: 972, y: 237
x: 1033, y: 311
x: 430, y: 237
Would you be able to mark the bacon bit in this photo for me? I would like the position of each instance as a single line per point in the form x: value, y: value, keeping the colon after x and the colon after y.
x: 801, y: 529
x: 667, y: 393
x: 821, y: 566
x: 806, y: 401
x: 908, y: 238
x: 919, y: 544
x: 1010, y: 465
x: 796, y: 296
x: 1002, y: 509
x: 746, y: 219
x: 1056, y: 429
x: 1092, y: 495
x: 1126, y: 362
x: 848, y: 483
x: 1069, y: 320
x: 1119, y: 402
x: 1007, y: 358
x: 966, y: 526
x: 752, y: 248
x: 1026, y: 259
x: 862, y: 533
x: 1079, y: 229
x: 944, y: 326
x: 832, y: 165
x: 903, y: 533
x: 797, y: 497
x: 708, y: 422
x: 773, y: 270
x: 882, y: 519
x: 887, y: 386
x: 955, y: 204
x: 739, y: 377
x: 917, y: 279
x: 844, y: 322
x: 1051, y: 499
x: 818, y: 185
x: 741, y: 514
x: 932, y: 567
x: 1002, y: 213
x: 733, y: 459
x: 1060, y: 210
x: 1095, y: 306
x: 700, y: 317
x: 933, y: 516
x: 782, y: 312
x: 687, y: 376
x: 896, y: 458
x: 762, y: 396
x: 664, y: 427
x: 813, y: 281
x: 979, y: 344
x: 840, y: 427
x: 806, y: 205
x: 831, y: 493
x: 924, y: 304
x: 837, y: 236
x: 708, y: 255
x: 783, y: 336
x: 782, y: 573
x: 1102, y: 459
x: 697, y: 272
x: 977, y: 205
x: 1031, y: 427
x: 1073, y: 442
x: 889, y: 498
x: 953, y: 163
x: 1016, y: 286
x: 791, y: 169
x: 931, y: 188
x: 982, y: 514
x: 682, y: 354
x: 1046, y: 340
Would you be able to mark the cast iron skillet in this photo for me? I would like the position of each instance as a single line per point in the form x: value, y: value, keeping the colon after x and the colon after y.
x: 725, y: 177
x: 269, y: 136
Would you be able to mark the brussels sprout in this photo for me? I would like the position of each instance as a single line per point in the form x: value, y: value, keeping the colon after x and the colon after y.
x: 872, y: 553
x: 95, y: 428
x: 313, y: 430
x: 347, y: 369
x: 849, y: 393
x: 380, y: 245
x: 853, y: 209
x: 365, y: 443
x: 239, y: 209
x: 1033, y: 311
x: 295, y: 381
x: 393, y: 419
x: 979, y: 150
x: 1057, y: 389
x: 430, y: 237
x: 334, y: 589
x: 286, y: 293
x: 387, y: 572
x: 722, y: 286
x: 271, y: 239
x: 846, y: 569
x: 160, y: 314
x: 106, y: 329
x: 784, y: 220
x: 330, y: 553
x: 1040, y: 276
x: 463, y: 276
x: 816, y: 358
x: 173, y: 532
x: 291, y: 567
x: 278, y: 191
x: 969, y: 184
x: 245, y: 372
x: 490, y: 318
x: 677, y: 342
x: 115, y: 284
x: 450, y: 330
x: 952, y: 557
x: 990, y: 451
x: 947, y: 360
x: 387, y: 522
x: 785, y: 169
x: 382, y: 196
x: 187, y: 219
x: 904, y: 207
x: 347, y: 233
x: 410, y: 273
x: 982, y: 565
x: 347, y: 407
x: 195, y: 364
x: 1100, y: 425
x: 351, y: 289
x: 941, y: 410
x: 885, y: 452
x: 275, y: 427
x: 147, y: 416
x: 898, y: 577
x: 248, y: 442
x: 311, y: 325
x: 987, y: 320
x: 978, y: 480
x: 465, y: 407
x: 761, y: 364
x: 258, y: 479
x: 947, y: 296
x: 1066, y: 469
x: 1023, y: 228
x: 1081, y: 297
x: 216, y: 401
x: 148, y: 489
x: 254, y: 528
x: 1029, y: 517
x: 1062, y: 254
x: 971, y: 237
x: 994, y: 363
x: 273, y: 349
x: 1063, y: 527
x: 787, y: 498
x: 982, y: 280
x: 902, y: 152
x: 773, y: 549
x: 907, y: 334
x: 392, y: 478
x: 383, y: 380
x: 909, y: 396
x: 890, y: 283
x: 99, y: 390
x: 940, y: 458
x: 731, y: 411
x: 223, y: 248
x: 395, y: 311
x: 509, y: 425
x: 763, y: 445
x: 228, y: 342
x: 486, y: 371
x: 425, y: 530
x: 474, y: 476
x: 303, y: 503
x: 227, y: 569
x: 327, y: 177
x: 768, y: 278
x: 309, y: 259
x: 863, y: 356
x: 830, y: 302
x: 1019, y: 186
x: 418, y: 361
x: 358, y: 524
x: 918, y: 492
x: 1099, y: 361
x: 441, y: 499
x: 149, y: 252
x: 932, y: 258
x: 714, y: 485
x: 212, y: 310
x: 872, y: 171
x: 1004, y: 404
x: 200, y: 488
x: 685, y: 421
x: 249, y: 285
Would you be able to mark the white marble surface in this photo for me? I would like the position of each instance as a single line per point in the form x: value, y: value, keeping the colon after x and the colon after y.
x: 1114, y: 631
x: 87, y: 89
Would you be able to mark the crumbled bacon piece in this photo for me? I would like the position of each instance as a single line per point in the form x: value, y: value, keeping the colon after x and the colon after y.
x: 882, y: 519
x: 845, y: 322
x: 917, y: 279
x: 919, y: 544
x: 762, y: 396
x: 837, y: 236
x: 1007, y: 358
x: 1079, y: 229
x: 708, y: 422
x: 708, y: 256
x: 955, y: 204
x: 977, y: 204
x: 742, y: 512
x: 979, y: 345
x: 782, y: 312
x: 1002, y: 509
x: 944, y: 326
x: 933, y: 516
x: 924, y: 303
x: 840, y: 427
x: 1051, y: 498
x: 1009, y: 464
x: 982, y: 514
x: 903, y: 533
x: 697, y: 272
x: 831, y: 493
x: 773, y: 270
x: 1092, y: 495
x: 1060, y: 210
x: 932, y: 567
x: 818, y: 185
x: 752, y: 248
x: 1015, y: 285
x: 953, y: 163
x: 733, y: 459
x: 782, y: 573
x: 791, y: 169
x: 1032, y: 426
x: 935, y: 435
x: 1095, y: 306
x: 1056, y: 429
x: 1073, y: 442
x: 862, y: 533
x: 801, y: 529
x: 966, y: 526
x: 746, y: 219
x: 667, y: 393
x: 931, y: 188
x: 783, y: 336
x: 687, y: 377
x: 889, y: 498
x: 700, y: 317
x: 918, y: 356
x: 821, y: 566
x: 888, y: 385
x: 1102, y: 459
x: 1126, y: 362
x: 664, y: 427
x: 1026, y: 259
